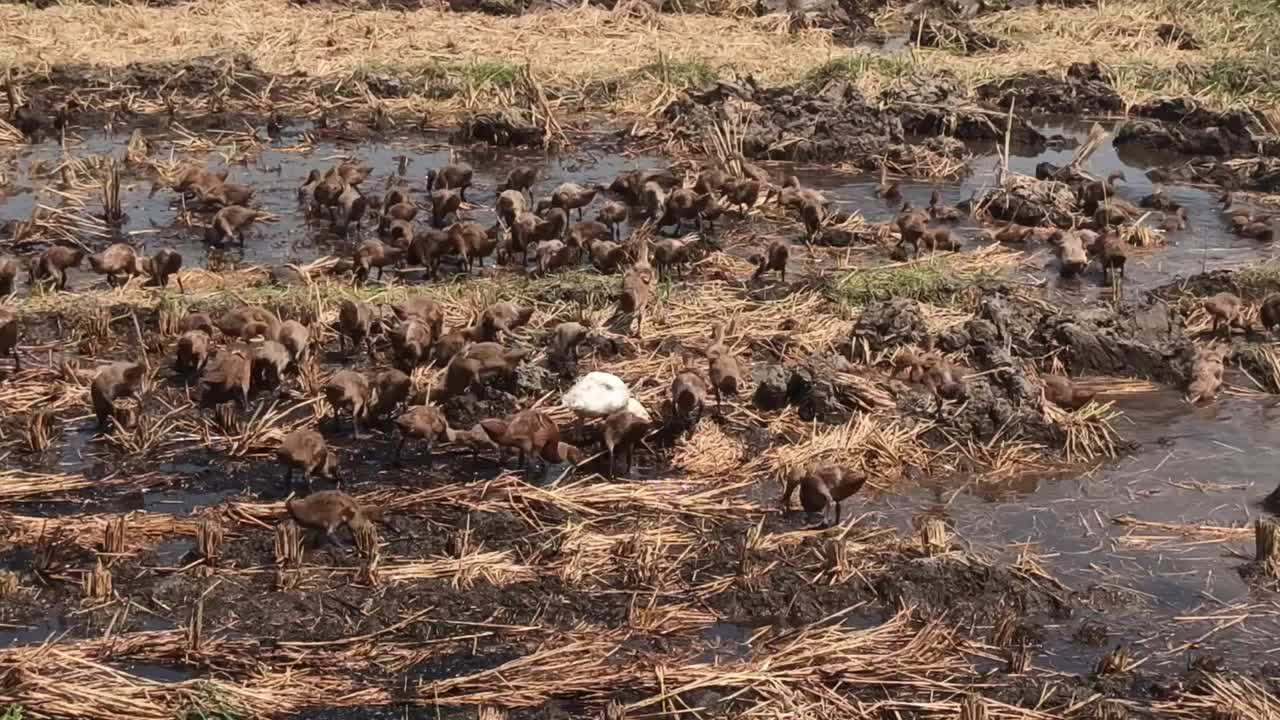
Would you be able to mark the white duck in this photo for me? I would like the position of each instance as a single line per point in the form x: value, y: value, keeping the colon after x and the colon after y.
x: 597, y: 395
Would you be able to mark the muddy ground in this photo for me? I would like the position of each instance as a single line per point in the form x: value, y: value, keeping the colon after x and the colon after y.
x: 1115, y: 580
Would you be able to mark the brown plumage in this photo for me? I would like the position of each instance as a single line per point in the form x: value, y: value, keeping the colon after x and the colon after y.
x: 348, y: 390
x: 822, y: 487
x: 773, y: 259
x: 912, y: 225
x: 192, y: 175
x: 637, y: 287
x: 531, y: 432
x: 1010, y: 234
x: 429, y: 247
x: 8, y: 272
x: 1061, y: 391
x: 677, y: 252
x: 1206, y: 373
x: 940, y: 212
x: 725, y: 373
x: 712, y: 180
x: 269, y: 360
x: 231, y: 222
x: 1070, y: 248
x: 10, y: 329
x: 423, y: 309
x: 375, y: 254
x: 306, y: 450
x: 743, y: 193
x: 411, y: 342
x: 391, y: 389
x: 454, y: 176
x: 519, y: 178
x: 117, y: 259
x: 425, y: 422
x: 1269, y: 311
x: 1093, y: 193
x: 1174, y: 220
x: 164, y: 264
x: 227, y: 375
x: 553, y: 254
x: 241, y: 323
x: 612, y: 215
x: 355, y: 325
x: 325, y: 194
x: 567, y: 336
x: 113, y: 382
x: 938, y: 239
x: 945, y: 380
x: 813, y: 215
x: 354, y: 206
x: 500, y: 318
x: 607, y: 256
x: 296, y: 338
x: 224, y: 194
x: 571, y: 196
x: 631, y: 183
x: 511, y: 204
x: 444, y: 203
x: 353, y: 173
x: 307, y: 191
x: 402, y: 211
x: 553, y: 223
x: 476, y: 363
x: 1110, y: 251
x: 682, y: 204
x: 473, y: 242
x: 197, y: 321
x: 51, y: 266
x: 622, y: 430
x: 192, y: 352
x: 689, y: 393
x: 329, y: 510
x: 1226, y: 309
x: 584, y: 233
x: 886, y: 189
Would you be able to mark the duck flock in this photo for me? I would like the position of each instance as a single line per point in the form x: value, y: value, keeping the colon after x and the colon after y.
x: 248, y: 347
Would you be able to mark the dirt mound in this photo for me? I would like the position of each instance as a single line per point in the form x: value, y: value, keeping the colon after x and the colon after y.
x: 1085, y: 88
x: 787, y: 123
x: 837, y: 122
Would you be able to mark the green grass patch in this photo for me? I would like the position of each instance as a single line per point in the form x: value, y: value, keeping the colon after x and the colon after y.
x: 500, y: 75
x: 682, y: 73
x: 851, y: 67
x: 930, y: 281
x: 1264, y: 276
x: 13, y: 712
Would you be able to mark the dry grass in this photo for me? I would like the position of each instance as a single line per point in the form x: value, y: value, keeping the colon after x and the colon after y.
x: 630, y: 63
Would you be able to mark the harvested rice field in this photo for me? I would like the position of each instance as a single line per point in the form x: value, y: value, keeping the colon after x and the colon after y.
x: 504, y: 359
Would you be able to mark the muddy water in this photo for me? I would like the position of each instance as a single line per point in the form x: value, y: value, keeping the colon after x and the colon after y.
x: 1206, y: 244
x: 1202, y: 466
x: 1150, y: 589
x: 275, y: 173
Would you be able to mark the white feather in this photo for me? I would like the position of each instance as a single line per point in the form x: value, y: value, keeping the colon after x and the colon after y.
x: 597, y: 394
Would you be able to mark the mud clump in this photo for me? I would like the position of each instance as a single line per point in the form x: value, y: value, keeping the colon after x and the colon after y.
x: 936, y: 106
x: 961, y: 584
x: 1136, y: 342
x: 892, y: 323
x: 509, y: 128
x: 832, y: 123
x: 788, y: 123
x: 1084, y: 89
